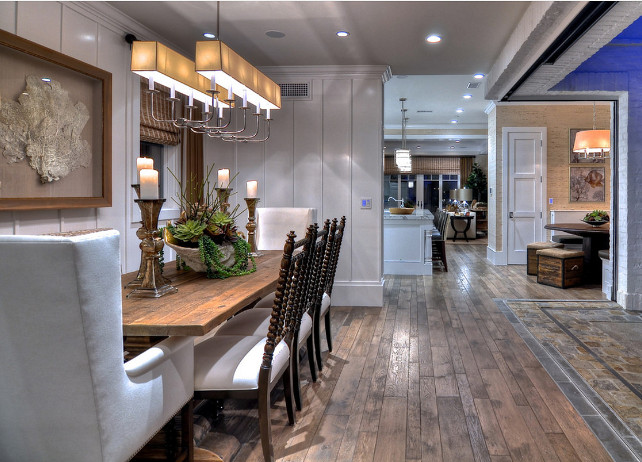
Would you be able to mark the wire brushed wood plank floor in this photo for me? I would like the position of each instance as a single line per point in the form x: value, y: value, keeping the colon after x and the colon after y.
x: 435, y: 374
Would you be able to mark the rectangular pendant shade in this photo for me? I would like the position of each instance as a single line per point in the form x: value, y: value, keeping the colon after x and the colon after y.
x: 169, y: 68
x: 216, y: 60
x: 402, y: 159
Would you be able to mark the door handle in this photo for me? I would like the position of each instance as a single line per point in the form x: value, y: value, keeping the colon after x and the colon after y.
x: 510, y: 215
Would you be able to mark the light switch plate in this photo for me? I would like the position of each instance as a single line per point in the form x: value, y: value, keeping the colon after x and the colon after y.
x: 550, y: 200
x: 366, y: 203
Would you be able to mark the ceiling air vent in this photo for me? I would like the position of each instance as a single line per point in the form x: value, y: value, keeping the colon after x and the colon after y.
x: 419, y: 111
x: 473, y: 84
x: 295, y: 90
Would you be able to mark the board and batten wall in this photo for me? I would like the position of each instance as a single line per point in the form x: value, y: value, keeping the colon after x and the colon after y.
x: 93, y: 33
x: 558, y: 118
x: 324, y: 152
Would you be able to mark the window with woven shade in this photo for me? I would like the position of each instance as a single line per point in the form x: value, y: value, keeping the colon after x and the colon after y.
x: 151, y: 130
x: 424, y: 165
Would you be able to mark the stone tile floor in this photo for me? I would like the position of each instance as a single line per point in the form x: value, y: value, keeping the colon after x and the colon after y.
x: 593, y: 350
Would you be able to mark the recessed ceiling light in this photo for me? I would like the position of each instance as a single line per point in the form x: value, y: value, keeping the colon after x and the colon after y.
x: 342, y: 33
x: 478, y: 76
x: 433, y: 39
x: 46, y: 79
x: 468, y: 96
x: 275, y: 34
x: 418, y: 147
x: 454, y: 121
x: 209, y: 35
x: 457, y: 141
x: 459, y: 110
x: 452, y: 147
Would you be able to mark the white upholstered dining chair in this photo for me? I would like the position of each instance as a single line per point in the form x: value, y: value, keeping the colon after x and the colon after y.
x: 274, y: 223
x: 65, y: 392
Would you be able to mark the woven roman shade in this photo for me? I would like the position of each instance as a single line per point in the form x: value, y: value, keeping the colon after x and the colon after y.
x: 151, y: 130
x: 465, y: 167
x: 424, y: 165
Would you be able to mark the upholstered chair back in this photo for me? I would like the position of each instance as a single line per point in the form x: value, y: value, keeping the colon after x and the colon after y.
x: 65, y: 392
x: 274, y: 223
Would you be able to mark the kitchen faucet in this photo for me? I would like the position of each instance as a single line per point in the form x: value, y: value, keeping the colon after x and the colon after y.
x: 397, y: 200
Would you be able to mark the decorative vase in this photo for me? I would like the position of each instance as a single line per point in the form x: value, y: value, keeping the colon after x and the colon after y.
x: 192, y: 256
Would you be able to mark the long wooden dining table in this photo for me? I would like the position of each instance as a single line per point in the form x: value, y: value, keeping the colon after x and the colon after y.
x: 200, y: 304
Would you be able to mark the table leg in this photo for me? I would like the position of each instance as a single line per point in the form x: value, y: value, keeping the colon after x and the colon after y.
x: 466, y: 229
x: 452, y: 225
x: 592, y: 263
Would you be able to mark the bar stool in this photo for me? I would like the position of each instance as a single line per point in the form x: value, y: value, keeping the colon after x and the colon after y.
x: 531, y: 254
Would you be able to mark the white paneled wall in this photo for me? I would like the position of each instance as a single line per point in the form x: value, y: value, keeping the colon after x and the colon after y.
x: 324, y: 153
x: 93, y: 33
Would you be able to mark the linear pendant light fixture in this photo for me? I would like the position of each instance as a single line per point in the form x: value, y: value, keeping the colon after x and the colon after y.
x: 218, y: 62
x: 162, y: 65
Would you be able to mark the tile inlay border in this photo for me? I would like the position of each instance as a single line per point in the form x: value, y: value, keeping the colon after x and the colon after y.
x: 615, y: 435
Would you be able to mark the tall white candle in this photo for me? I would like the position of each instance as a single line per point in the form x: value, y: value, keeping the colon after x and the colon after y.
x: 224, y: 178
x: 191, y: 99
x: 252, y: 187
x: 220, y: 112
x: 213, y: 83
x: 258, y: 108
x: 230, y: 93
x: 244, y: 98
x: 172, y: 91
x: 141, y: 163
x: 148, y: 184
x: 207, y: 106
x: 151, y: 82
x: 267, y: 113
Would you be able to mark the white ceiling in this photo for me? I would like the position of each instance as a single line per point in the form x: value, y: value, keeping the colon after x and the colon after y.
x: 381, y: 32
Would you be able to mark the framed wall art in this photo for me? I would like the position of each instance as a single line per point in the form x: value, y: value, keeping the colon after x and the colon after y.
x: 587, y: 184
x: 573, y: 157
x: 55, y: 129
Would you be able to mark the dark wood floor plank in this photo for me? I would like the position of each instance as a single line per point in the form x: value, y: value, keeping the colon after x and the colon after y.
x: 543, y: 444
x: 391, y: 437
x: 515, y: 431
x: 413, y: 427
x: 327, y: 440
x: 455, y: 441
x: 563, y: 448
x: 493, y: 434
x: 430, y: 435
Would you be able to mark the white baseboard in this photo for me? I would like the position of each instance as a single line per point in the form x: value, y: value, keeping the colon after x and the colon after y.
x: 495, y: 257
x: 357, y: 293
x: 631, y: 302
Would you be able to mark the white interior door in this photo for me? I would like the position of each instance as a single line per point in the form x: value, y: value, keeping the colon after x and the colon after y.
x: 525, y: 187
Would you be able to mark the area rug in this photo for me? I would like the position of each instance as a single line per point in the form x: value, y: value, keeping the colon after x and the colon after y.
x: 593, y: 351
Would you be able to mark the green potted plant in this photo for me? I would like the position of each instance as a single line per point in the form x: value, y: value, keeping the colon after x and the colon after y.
x: 478, y: 183
x: 205, y: 235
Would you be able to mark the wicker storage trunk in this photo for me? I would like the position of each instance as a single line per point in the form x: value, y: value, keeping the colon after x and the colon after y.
x: 560, y: 268
x: 531, y: 254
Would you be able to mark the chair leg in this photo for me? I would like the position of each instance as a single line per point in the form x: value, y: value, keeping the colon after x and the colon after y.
x: 442, y: 245
x: 296, y: 377
x: 310, y: 348
x: 187, y: 432
x: 287, y: 391
x: 265, y: 424
x: 328, y: 332
x: 316, y: 330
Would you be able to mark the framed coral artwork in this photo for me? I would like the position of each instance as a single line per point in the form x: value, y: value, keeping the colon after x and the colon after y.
x: 55, y: 129
x: 587, y: 184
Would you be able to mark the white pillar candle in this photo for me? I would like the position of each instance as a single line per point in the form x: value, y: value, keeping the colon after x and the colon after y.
x: 252, y: 187
x: 213, y: 83
x: 220, y: 112
x: 267, y: 113
x: 207, y: 106
x: 258, y: 108
x: 191, y: 98
x: 151, y: 82
x: 244, y: 98
x: 224, y: 178
x: 172, y: 91
x: 141, y: 163
x: 230, y: 93
x: 148, y: 184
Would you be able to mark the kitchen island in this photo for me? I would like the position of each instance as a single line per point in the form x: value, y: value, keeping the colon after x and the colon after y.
x: 407, y: 243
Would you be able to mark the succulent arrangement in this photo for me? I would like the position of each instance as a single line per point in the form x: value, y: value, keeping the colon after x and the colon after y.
x: 596, y: 216
x: 207, y: 226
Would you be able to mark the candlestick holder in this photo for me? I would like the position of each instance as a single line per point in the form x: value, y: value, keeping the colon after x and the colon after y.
x: 141, y: 269
x: 152, y: 284
x: 251, y: 225
x: 223, y: 195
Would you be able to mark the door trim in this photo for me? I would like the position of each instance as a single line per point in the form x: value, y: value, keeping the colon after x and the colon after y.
x: 505, y: 132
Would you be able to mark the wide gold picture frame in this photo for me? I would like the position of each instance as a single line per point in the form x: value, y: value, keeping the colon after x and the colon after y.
x: 85, y: 187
